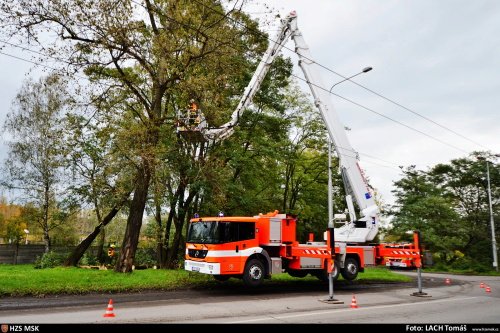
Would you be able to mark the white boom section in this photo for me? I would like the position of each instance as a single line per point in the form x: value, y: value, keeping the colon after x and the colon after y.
x: 276, y: 44
x: 351, y: 172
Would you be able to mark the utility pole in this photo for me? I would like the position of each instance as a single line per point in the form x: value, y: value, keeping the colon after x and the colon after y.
x: 492, y: 221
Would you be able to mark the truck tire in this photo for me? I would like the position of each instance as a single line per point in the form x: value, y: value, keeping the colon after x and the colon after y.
x: 351, y: 269
x: 254, y: 273
x: 221, y: 278
x: 323, y: 273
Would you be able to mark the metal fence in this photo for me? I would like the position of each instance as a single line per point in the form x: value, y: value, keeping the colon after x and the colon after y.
x: 27, y: 254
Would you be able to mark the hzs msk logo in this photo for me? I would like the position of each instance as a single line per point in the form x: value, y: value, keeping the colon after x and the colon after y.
x: 5, y: 328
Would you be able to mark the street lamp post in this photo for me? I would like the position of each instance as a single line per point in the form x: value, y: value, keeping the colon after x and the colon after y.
x: 26, y: 231
x: 492, y: 221
x: 331, y: 226
x: 365, y: 70
x: 330, y: 143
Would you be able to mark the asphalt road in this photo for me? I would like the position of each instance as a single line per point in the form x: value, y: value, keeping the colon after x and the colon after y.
x: 462, y: 302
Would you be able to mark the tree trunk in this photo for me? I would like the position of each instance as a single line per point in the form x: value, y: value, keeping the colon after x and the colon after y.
x: 172, y: 255
x: 78, y: 252
x: 159, y: 238
x: 100, y: 246
x: 134, y: 222
x: 179, y: 224
x: 171, y: 214
x: 166, y: 239
x: 288, y: 176
x: 16, y: 253
x: 46, y: 238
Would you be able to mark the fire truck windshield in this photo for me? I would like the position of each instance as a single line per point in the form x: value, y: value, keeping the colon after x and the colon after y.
x: 212, y: 232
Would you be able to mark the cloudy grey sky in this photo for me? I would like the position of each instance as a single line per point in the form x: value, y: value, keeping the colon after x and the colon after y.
x: 438, y: 58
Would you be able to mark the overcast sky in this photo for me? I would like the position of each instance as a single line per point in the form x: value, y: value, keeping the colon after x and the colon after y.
x: 438, y: 58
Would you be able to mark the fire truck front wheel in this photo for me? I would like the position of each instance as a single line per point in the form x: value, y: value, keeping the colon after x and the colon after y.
x: 254, y: 273
x: 351, y: 269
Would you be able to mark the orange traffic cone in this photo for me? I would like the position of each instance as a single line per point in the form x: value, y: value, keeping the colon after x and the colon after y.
x: 447, y: 281
x: 488, y: 289
x: 354, y: 305
x: 481, y: 285
x: 109, y: 310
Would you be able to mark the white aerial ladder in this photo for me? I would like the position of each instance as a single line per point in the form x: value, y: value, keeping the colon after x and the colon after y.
x: 363, y: 230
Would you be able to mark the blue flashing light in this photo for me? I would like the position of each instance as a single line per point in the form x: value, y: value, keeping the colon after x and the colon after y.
x: 367, y: 195
x: 196, y: 215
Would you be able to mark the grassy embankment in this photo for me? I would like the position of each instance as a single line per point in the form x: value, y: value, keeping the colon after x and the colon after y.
x: 470, y: 271
x: 19, y: 280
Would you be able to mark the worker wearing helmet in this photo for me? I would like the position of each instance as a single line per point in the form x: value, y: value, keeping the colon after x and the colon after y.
x: 192, y: 105
x: 192, y: 113
x: 111, y: 253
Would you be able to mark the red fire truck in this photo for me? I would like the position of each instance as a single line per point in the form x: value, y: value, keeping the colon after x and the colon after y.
x: 254, y: 248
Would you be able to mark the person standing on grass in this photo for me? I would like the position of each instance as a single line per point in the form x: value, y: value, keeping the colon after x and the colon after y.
x: 111, y: 254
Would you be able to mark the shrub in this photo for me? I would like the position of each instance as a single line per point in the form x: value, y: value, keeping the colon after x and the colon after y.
x: 480, y: 267
x: 145, y: 257
x: 49, y: 260
x: 88, y: 260
x: 462, y: 264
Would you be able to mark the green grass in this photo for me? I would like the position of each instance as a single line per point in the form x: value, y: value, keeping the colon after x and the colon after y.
x: 469, y: 271
x: 17, y: 280
x: 382, y: 274
x: 370, y: 275
x: 26, y: 280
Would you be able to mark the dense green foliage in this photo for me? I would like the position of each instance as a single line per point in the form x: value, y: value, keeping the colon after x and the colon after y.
x: 449, y: 205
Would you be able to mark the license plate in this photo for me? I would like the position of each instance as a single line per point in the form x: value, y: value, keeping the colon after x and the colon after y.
x: 195, y: 269
x: 396, y: 264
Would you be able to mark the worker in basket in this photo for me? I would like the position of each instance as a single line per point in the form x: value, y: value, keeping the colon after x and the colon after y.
x: 192, y: 106
x: 192, y: 113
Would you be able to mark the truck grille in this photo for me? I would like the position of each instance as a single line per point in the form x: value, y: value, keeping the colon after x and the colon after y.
x: 201, y: 254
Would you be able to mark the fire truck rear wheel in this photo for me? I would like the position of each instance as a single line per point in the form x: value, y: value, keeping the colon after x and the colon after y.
x: 254, y: 273
x: 351, y: 269
x: 324, y: 276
